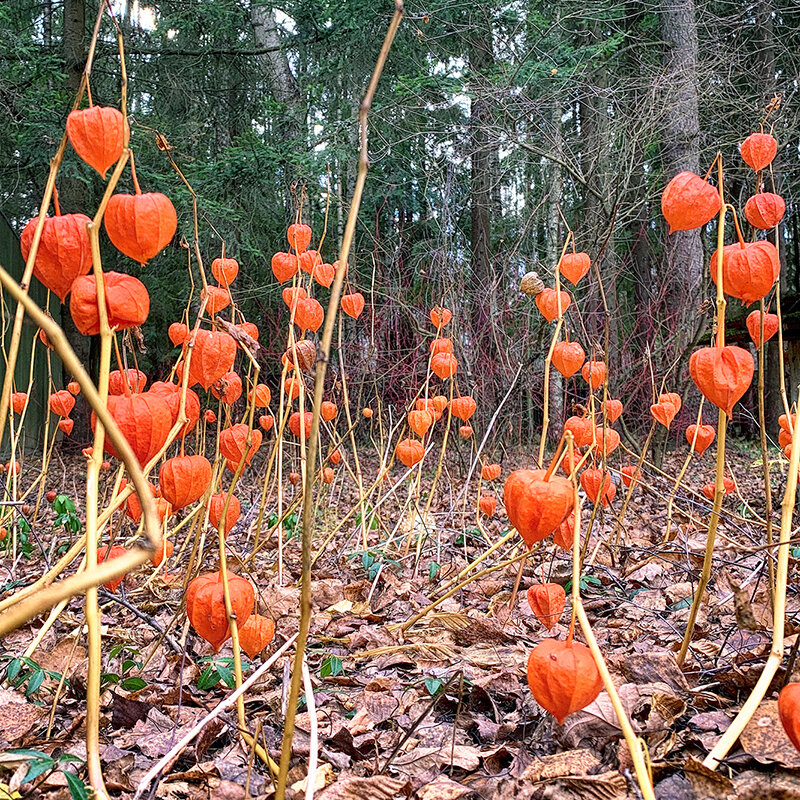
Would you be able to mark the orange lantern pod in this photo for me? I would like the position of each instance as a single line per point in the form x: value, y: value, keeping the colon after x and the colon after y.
x: 665, y: 409
x: 582, y: 430
x: 184, y: 479
x: 228, y: 388
x: 213, y: 355
x: 224, y: 270
x: 753, y: 323
x: 630, y: 475
x: 172, y: 394
x: 294, y: 424
x: 233, y: 443
x: 705, y: 436
x: 291, y: 386
x: 563, y: 677
x: 594, y: 373
x: 487, y: 504
x: 367, y: 412
x: 132, y: 380
x: 568, y: 358
x: 548, y: 301
x: 409, y: 452
x: 66, y: 426
x: 256, y: 634
x: 547, y: 601
x: 689, y: 202
x: 260, y: 396
x: 574, y: 266
x: 613, y: 410
x: 64, y: 252
x: 444, y: 365
x: 140, y: 225
x: 789, y: 712
x: 162, y: 553
x: 145, y: 421
x: 419, y: 422
x: 284, y: 266
x: 765, y: 210
x: 266, y: 422
x: 439, y: 403
x: 210, y: 416
x: 535, y: 506
x: 758, y: 150
x: 249, y: 329
x: 491, y: 472
x: 309, y: 315
x: 722, y: 374
x: 607, y: 440
x: 710, y: 489
x: 299, y: 237
x: 98, y: 135
x: 328, y: 410
x: 465, y: 432
x: 324, y: 274
x: 327, y: 475
x: 205, y: 605
x: 441, y: 346
x: 568, y: 465
x: 61, y: 403
x: 18, y: 402
x: 749, y: 269
x: 310, y: 261
x: 597, y: 484
x: 353, y: 304
x: 216, y: 504
x: 440, y: 317
x: 564, y: 533
x: 218, y: 299
x: 178, y: 333
x: 74, y: 388
x: 107, y: 553
x: 295, y: 478
x: 127, y: 302
x: 463, y: 407
x: 335, y: 457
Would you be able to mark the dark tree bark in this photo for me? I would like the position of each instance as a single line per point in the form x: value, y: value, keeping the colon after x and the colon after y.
x: 681, y: 151
x: 72, y: 191
x: 483, y: 173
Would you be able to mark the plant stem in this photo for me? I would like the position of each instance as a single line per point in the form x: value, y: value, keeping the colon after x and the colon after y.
x: 319, y: 386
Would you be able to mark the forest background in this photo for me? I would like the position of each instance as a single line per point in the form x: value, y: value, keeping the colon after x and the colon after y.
x: 497, y: 128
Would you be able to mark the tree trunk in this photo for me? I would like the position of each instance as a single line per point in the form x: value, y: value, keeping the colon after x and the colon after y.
x: 71, y: 190
x: 554, y: 244
x: 681, y: 151
x: 484, y: 159
x: 281, y: 82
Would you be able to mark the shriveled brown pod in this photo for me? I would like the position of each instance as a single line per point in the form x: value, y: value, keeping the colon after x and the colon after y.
x: 303, y: 353
x: 531, y: 284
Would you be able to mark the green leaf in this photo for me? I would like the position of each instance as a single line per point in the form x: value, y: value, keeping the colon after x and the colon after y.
x: 77, y: 788
x: 208, y: 679
x: 133, y: 683
x: 433, y: 685
x: 433, y: 570
x: 227, y: 676
x: 38, y: 767
x: 13, y: 668
x: 331, y: 666
x: 37, y: 679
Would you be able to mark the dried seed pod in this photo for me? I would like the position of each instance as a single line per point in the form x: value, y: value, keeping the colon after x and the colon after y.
x: 303, y: 354
x: 531, y: 284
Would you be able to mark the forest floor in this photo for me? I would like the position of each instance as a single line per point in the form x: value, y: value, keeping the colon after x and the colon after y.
x: 440, y: 710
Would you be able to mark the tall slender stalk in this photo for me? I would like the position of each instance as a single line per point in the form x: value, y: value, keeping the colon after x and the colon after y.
x: 722, y: 421
x: 319, y: 386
